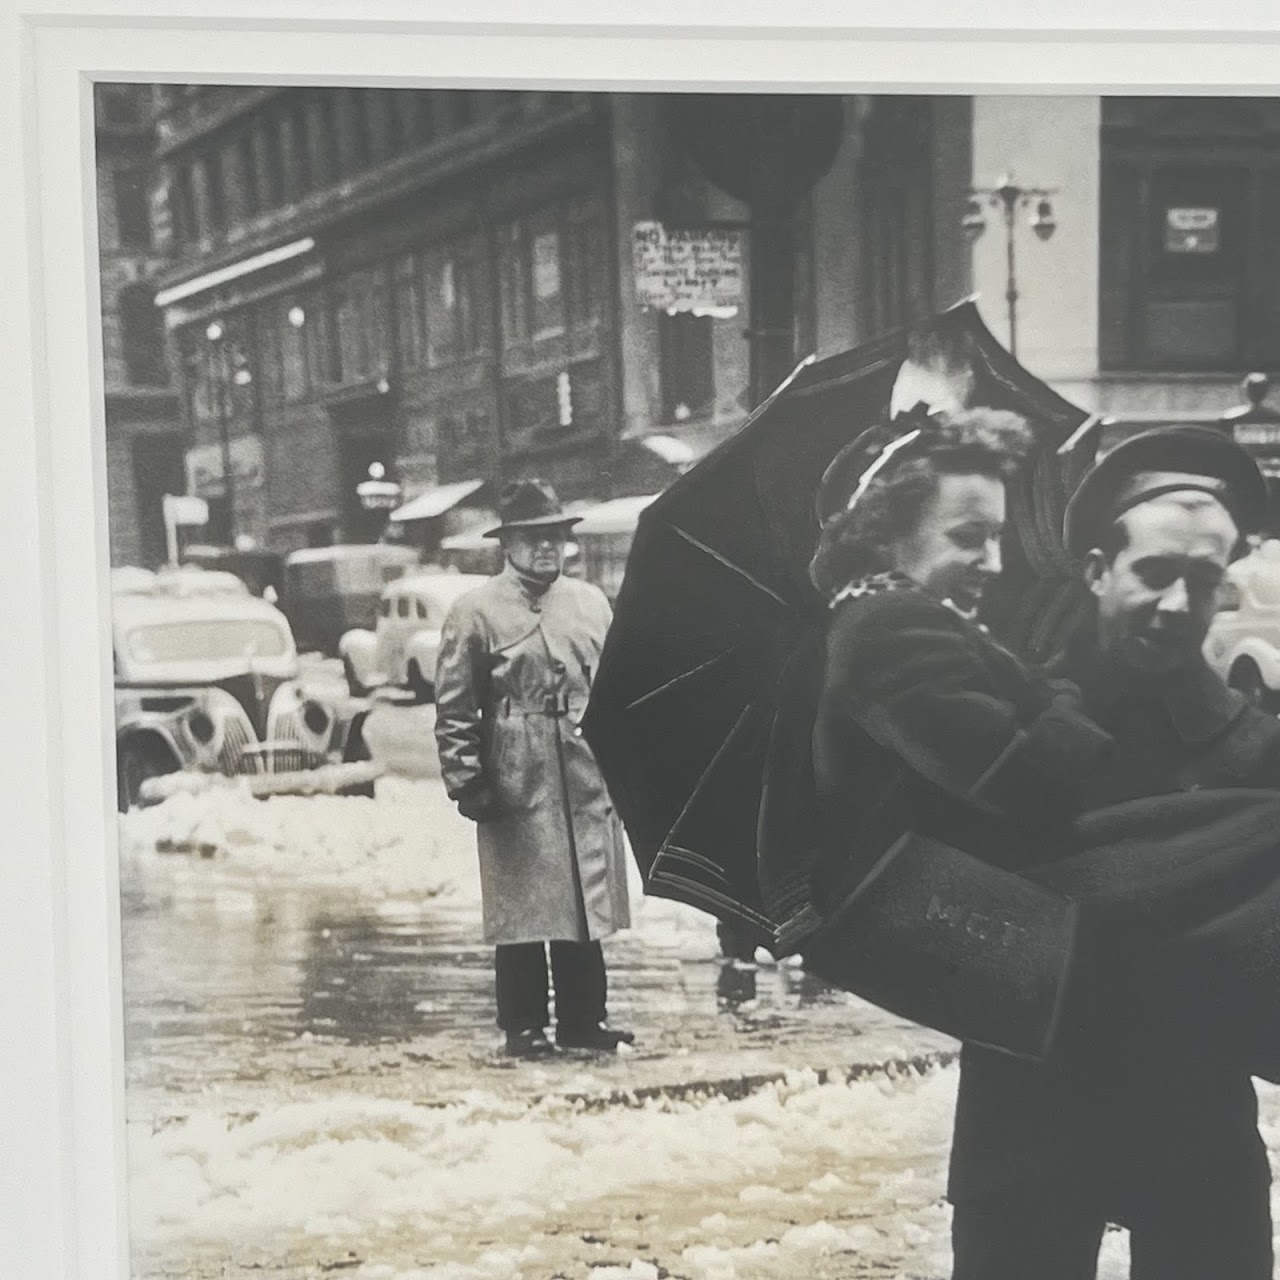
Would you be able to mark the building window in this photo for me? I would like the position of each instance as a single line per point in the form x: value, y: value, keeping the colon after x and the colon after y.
x: 217, y: 193
x: 453, y: 310
x: 197, y: 379
x: 184, y: 204
x: 350, y: 323
x: 319, y: 339
x: 585, y: 262
x: 897, y: 180
x: 300, y: 148
x: 142, y: 338
x: 291, y: 320
x: 1188, y: 277
x: 361, y: 134
x: 513, y: 264
x: 569, y: 401
x: 687, y: 365
x: 546, y: 279
x: 269, y: 373
x: 247, y: 173
x: 360, y: 326
x: 273, y: 159
x: 133, y: 213
x: 330, y: 168
x: 533, y: 303
x: 411, y: 337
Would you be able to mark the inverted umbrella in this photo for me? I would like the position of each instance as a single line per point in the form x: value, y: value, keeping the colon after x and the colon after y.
x: 717, y: 626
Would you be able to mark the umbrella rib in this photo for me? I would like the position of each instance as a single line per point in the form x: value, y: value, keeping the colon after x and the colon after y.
x: 684, y: 675
x: 729, y: 564
x: 729, y: 740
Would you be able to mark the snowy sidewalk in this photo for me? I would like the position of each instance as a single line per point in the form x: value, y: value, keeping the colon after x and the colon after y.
x: 314, y: 1085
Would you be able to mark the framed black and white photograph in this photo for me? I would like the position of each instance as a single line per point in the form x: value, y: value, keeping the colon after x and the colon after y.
x: 642, y: 645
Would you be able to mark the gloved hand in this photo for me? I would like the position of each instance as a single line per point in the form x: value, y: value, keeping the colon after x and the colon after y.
x: 478, y: 802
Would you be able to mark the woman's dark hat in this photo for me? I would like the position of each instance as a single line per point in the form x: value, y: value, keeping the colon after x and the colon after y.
x: 529, y: 504
x: 871, y: 448
x: 1161, y: 461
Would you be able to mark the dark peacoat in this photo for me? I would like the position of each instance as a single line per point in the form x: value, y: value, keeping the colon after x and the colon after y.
x: 1149, y: 1108
x: 512, y: 682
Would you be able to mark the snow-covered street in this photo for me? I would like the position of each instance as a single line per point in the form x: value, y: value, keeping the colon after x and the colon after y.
x: 314, y: 1084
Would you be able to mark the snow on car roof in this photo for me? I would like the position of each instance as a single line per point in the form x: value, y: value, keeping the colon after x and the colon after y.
x: 352, y: 551
x: 134, y: 608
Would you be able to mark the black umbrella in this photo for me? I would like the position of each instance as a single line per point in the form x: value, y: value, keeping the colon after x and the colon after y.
x: 717, y: 626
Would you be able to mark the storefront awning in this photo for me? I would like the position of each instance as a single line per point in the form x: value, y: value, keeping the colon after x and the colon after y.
x: 435, y: 501
x: 618, y: 515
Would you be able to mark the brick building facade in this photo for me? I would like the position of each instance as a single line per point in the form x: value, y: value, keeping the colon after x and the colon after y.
x: 145, y: 437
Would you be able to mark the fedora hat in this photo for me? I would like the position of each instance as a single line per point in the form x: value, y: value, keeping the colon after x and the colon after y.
x: 529, y: 504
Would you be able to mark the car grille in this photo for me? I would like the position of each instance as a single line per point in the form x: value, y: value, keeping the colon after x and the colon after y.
x: 238, y: 736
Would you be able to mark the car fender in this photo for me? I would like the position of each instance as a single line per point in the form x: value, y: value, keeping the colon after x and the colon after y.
x: 1264, y: 655
x: 423, y: 648
x: 322, y: 727
x: 360, y: 648
x: 153, y: 729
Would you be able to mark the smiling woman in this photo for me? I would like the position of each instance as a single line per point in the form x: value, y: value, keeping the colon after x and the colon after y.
x: 923, y: 497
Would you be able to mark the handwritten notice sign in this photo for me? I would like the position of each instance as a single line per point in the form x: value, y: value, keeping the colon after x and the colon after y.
x: 686, y: 270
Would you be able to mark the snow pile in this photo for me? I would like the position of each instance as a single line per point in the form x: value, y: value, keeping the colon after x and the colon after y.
x: 337, y: 1169
x: 407, y: 842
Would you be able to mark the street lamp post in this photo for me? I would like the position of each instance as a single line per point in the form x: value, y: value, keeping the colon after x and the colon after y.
x: 1009, y: 198
x: 230, y: 370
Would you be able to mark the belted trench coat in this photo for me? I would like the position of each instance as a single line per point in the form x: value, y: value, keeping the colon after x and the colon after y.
x: 512, y: 681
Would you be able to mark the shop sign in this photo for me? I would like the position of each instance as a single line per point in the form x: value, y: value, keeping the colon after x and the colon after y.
x: 1188, y: 230
x: 204, y: 467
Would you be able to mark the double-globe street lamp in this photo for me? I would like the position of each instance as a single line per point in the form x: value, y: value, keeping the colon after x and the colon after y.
x: 228, y: 368
x: 1010, y: 199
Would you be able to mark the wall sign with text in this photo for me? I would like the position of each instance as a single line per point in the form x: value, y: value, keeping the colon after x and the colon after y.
x: 688, y: 270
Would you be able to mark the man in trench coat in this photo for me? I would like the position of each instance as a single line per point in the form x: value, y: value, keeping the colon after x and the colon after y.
x: 1156, y: 1131
x: 517, y: 657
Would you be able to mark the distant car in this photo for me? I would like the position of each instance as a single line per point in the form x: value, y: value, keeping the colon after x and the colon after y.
x: 1243, y: 644
x: 401, y: 650
x: 207, y: 681
x: 329, y: 590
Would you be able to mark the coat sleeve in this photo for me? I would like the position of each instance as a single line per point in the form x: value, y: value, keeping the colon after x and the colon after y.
x: 462, y: 677
x: 956, y: 709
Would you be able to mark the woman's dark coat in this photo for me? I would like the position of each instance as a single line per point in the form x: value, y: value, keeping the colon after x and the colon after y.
x: 939, y: 760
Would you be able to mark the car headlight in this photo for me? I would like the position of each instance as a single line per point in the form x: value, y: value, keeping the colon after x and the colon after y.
x: 215, y: 732
x: 315, y: 724
x: 301, y: 723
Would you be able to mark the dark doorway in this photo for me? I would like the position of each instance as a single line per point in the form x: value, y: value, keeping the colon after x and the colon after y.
x: 365, y: 436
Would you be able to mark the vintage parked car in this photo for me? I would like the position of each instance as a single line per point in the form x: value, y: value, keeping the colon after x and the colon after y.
x: 206, y: 682
x: 402, y: 648
x: 329, y: 590
x: 1243, y: 645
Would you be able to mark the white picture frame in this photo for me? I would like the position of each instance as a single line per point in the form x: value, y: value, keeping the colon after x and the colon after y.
x: 62, y: 1173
